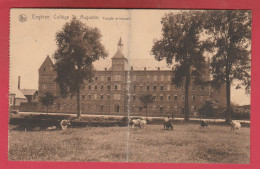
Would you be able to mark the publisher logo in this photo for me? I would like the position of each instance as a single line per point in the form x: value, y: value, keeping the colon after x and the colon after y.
x: 22, y: 18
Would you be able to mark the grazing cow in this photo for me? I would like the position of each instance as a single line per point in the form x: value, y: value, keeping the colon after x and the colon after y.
x: 235, y: 125
x: 134, y: 123
x: 168, y: 126
x: 141, y: 123
x: 64, y: 124
x: 203, y: 123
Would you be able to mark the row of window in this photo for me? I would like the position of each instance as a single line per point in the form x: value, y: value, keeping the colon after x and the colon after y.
x: 140, y: 87
x: 133, y: 108
x: 134, y: 97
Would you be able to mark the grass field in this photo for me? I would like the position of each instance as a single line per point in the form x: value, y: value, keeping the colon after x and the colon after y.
x: 187, y: 143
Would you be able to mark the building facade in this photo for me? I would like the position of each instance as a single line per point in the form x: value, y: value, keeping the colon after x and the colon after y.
x: 116, y: 90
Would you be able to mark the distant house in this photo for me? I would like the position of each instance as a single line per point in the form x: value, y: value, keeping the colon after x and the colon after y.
x: 30, y: 94
x: 16, y: 97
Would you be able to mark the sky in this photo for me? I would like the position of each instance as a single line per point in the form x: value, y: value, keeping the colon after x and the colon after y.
x: 33, y: 38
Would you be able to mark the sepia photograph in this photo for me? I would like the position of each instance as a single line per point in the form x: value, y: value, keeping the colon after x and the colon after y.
x: 130, y: 85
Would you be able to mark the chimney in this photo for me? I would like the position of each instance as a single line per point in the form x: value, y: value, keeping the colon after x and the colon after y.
x: 132, y: 68
x: 144, y: 68
x: 19, y: 81
x: 158, y: 68
x: 105, y: 68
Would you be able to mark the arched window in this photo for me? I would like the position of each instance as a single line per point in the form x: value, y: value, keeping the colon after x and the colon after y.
x: 117, y: 108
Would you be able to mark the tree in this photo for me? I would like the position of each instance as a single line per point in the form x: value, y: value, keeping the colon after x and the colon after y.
x: 78, y: 46
x: 181, y: 44
x: 47, y: 100
x: 146, y: 99
x: 230, y: 31
x: 209, y: 108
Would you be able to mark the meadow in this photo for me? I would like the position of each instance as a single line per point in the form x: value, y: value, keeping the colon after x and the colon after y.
x: 187, y: 143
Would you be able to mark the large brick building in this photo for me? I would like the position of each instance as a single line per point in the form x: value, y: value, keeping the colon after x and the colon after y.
x: 116, y: 90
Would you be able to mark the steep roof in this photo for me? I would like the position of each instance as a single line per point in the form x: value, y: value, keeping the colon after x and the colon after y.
x: 28, y: 91
x: 118, y: 55
x: 47, y: 62
x: 18, y: 93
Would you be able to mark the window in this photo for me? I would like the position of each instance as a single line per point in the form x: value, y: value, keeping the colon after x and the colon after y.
x: 95, y: 87
x: 141, y: 87
x: 154, y: 96
x: 169, y: 97
x: 115, y: 87
x: 133, y: 97
x: 154, y: 88
x: 108, y: 96
x: 89, y: 96
x: 101, y: 87
x: 140, y: 108
x: 193, y: 98
x: 161, y: 97
x: 161, y: 108
x: 83, y: 96
x: 161, y: 87
x: 89, y: 87
x: 11, y: 100
x: 175, y: 97
x: 183, y: 98
x: 147, y: 88
x: 96, y: 78
x: 127, y: 97
x: 108, y: 87
x: 134, y: 87
x: 101, y: 97
x: 108, y: 78
x: 101, y: 108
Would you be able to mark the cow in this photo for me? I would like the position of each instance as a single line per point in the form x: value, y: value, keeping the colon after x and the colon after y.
x: 141, y: 123
x: 235, y: 125
x: 168, y: 126
x: 203, y: 123
x: 64, y: 124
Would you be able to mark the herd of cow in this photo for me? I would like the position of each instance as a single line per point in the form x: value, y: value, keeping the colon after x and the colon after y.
x: 141, y: 123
